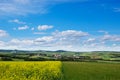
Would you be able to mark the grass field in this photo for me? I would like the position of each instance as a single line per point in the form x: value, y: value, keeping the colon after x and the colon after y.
x: 91, y: 71
x: 30, y: 70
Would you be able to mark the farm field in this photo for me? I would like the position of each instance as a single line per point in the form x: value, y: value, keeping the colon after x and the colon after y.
x: 30, y: 70
x: 91, y: 71
x: 56, y: 70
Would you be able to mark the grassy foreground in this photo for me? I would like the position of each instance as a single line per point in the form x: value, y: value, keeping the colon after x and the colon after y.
x: 30, y: 70
x: 91, y: 71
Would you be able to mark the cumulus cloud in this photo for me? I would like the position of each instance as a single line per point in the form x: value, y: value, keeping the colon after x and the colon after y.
x: 45, y: 39
x: 44, y: 27
x: 60, y: 39
x: 3, y: 33
x: 109, y: 37
x: 69, y: 37
x: 46, y: 44
x: 23, y: 27
x: 2, y: 43
x: 67, y: 40
x: 90, y: 40
x: 70, y: 33
x: 63, y: 38
x: 21, y: 42
x: 18, y: 44
x: 16, y: 21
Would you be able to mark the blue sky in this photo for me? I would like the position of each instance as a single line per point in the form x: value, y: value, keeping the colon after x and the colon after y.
x: 75, y: 25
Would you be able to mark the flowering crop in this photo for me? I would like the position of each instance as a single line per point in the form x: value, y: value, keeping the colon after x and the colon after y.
x: 46, y: 70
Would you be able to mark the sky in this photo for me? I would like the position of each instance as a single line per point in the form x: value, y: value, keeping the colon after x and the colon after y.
x: 72, y: 25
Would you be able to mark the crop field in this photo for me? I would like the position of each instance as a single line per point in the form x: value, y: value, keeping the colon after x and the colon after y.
x: 30, y: 70
x: 56, y: 70
x: 91, y: 71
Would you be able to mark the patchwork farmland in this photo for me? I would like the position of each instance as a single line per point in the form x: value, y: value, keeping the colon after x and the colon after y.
x: 56, y: 70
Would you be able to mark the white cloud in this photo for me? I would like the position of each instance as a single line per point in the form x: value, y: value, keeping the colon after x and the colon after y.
x: 3, y: 33
x: 45, y: 39
x: 111, y: 38
x: 32, y: 28
x: 17, y: 21
x: 24, y: 7
x: 21, y: 42
x: 51, y: 43
x: 102, y: 31
x: 114, y: 44
x: 18, y: 44
x: 69, y: 37
x: 23, y: 27
x: 70, y: 33
x: 64, y: 38
x: 72, y: 40
x: 90, y: 40
x: 2, y: 43
x: 48, y: 42
x: 44, y: 27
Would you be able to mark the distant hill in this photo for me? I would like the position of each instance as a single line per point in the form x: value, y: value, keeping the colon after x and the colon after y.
x: 1, y: 50
x: 60, y: 51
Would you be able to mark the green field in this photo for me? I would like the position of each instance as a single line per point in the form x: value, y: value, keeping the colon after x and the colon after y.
x: 56, y: 70
x: 91, y: 71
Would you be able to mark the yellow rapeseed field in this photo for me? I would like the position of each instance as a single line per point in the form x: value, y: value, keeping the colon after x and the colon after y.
x: 46, y: 70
